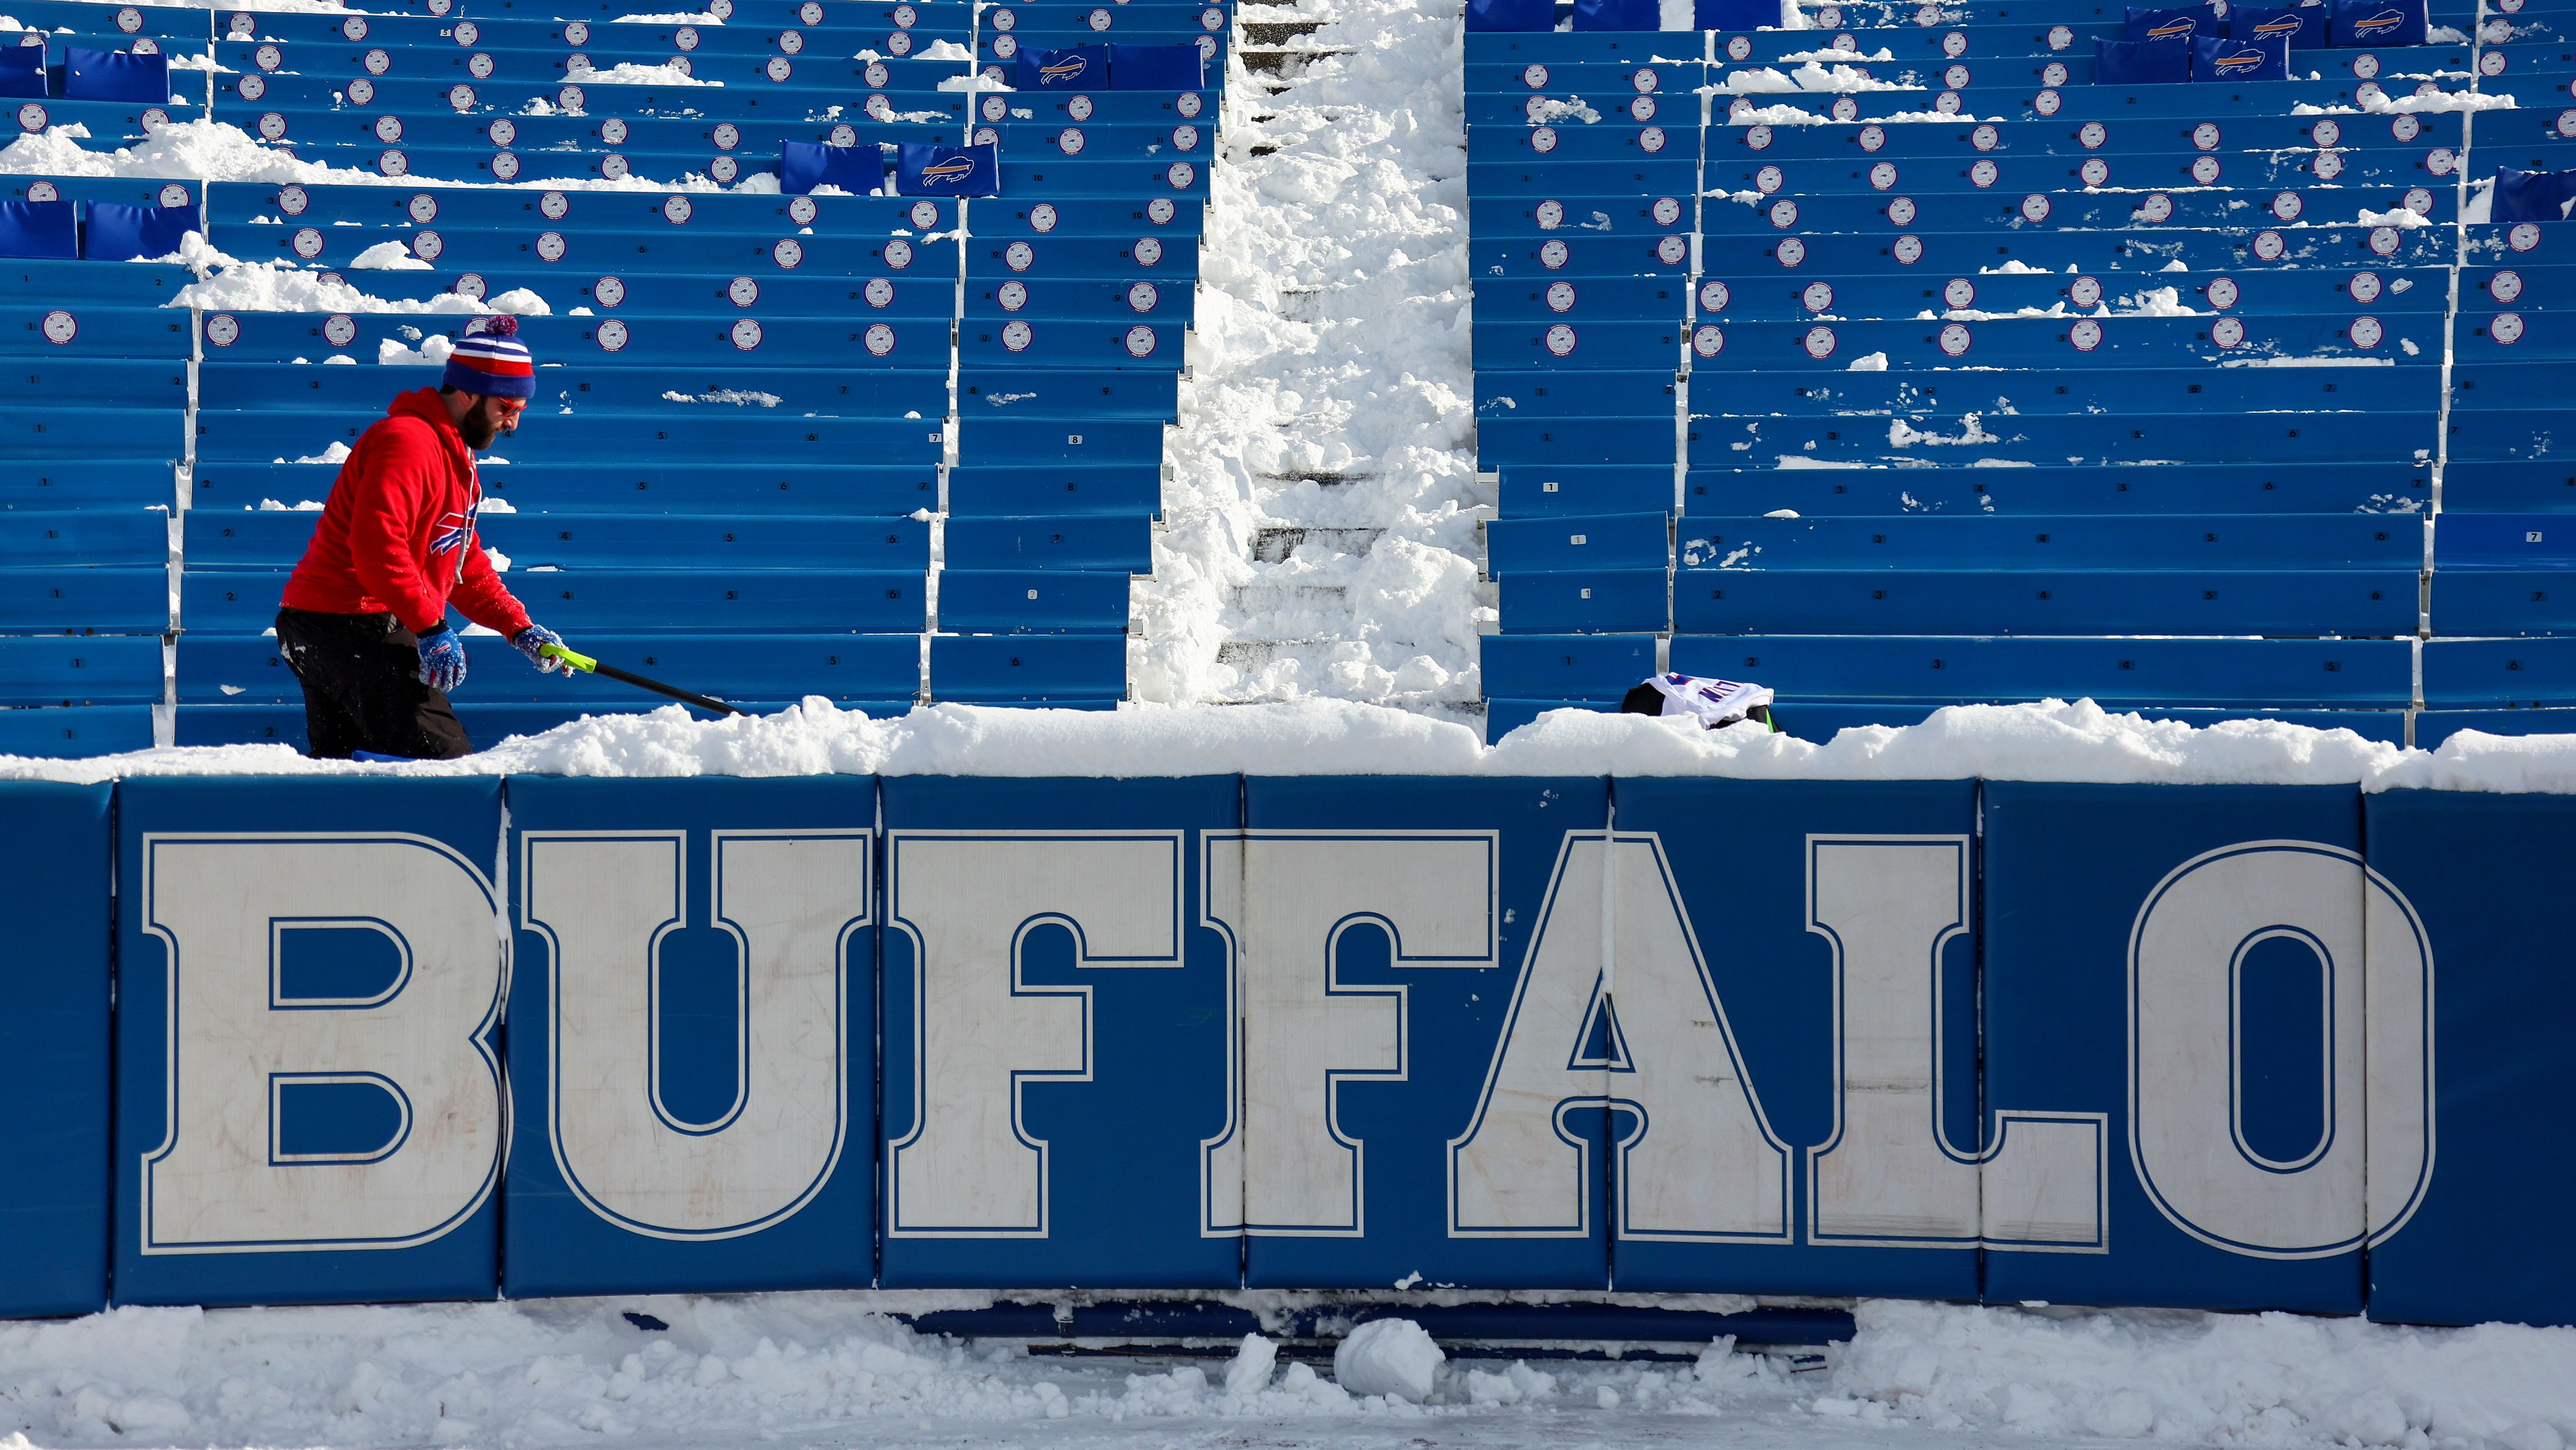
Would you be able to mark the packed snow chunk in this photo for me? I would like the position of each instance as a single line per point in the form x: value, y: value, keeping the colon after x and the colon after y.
x: 1388, y: 1357
x: 432, y: 352
x: 683, y: 17
x: 388, y: 257
x: 629, y: 73
x: 1875, y: 362
x: 336, y: 453
x: 1249, y: 1371
x: 945, y: 50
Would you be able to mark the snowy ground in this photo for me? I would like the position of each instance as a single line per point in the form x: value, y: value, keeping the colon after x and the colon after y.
x: 822, y: 1370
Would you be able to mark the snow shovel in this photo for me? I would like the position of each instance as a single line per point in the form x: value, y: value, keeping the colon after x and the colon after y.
x: 573, y: 659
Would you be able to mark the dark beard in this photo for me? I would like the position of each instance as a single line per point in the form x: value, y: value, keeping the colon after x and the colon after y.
x: 477, y: 425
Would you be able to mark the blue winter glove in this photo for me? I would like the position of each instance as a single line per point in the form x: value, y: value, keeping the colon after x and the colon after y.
x: 442, y: 659
x: 532, y: 641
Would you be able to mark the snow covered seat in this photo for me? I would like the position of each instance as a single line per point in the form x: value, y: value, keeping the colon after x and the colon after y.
x: 80, y: 670
x: 1017, y: 542
x: 594, y: 598
x: 153, y: 426
x: 245, y: 668
x: 2432, y: 727
x: 109, y: 598
x: 647, y: 483
x: 1032, y: 601
x: 2263, y: 673
x: 2034, y: 600
x: 77, y: 730
x: 1058, y: 669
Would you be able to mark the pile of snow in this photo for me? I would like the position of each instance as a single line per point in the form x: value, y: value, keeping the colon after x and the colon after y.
x: 2049, y: 741
x: 2203, y: 1379
x: 630, y: 73
x: 278, y: 287
x: 1838, y: 80
x: 1388, y: 1357
x: 835, y: 1367
x: 388, y: 256
x: 218, y: 151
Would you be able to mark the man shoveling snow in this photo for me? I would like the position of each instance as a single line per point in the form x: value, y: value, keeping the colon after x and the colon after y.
x: 364, y: 623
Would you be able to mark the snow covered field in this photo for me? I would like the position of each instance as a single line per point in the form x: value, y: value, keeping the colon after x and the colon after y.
x: 824, y: 1370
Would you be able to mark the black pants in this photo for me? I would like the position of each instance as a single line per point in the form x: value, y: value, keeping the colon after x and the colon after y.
x: 362, y: 689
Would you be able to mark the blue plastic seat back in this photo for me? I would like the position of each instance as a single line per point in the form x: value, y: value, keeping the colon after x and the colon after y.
x: 115, y: 75
x: 39, y: 229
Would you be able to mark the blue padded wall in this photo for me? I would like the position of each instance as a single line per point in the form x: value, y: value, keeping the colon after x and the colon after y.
x: 1752, y: 865
x: 54, y: 994
x: 1056, y: 1032
x: 1392, y: 930
x: 2486, y: 874
x: 310, y: 982
x: 2068, y: 871
x: 693, y: 1035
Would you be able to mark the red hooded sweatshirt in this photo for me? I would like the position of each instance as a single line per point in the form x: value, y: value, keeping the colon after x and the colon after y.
x: 397, y: 534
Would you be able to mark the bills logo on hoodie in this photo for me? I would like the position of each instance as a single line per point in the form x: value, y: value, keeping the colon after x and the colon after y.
x: 455, y: 530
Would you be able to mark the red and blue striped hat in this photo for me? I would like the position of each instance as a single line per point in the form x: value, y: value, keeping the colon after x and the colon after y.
x: 492, y: 361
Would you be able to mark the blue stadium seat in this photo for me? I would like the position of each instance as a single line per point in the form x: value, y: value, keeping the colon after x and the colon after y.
x: 990, y: 669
